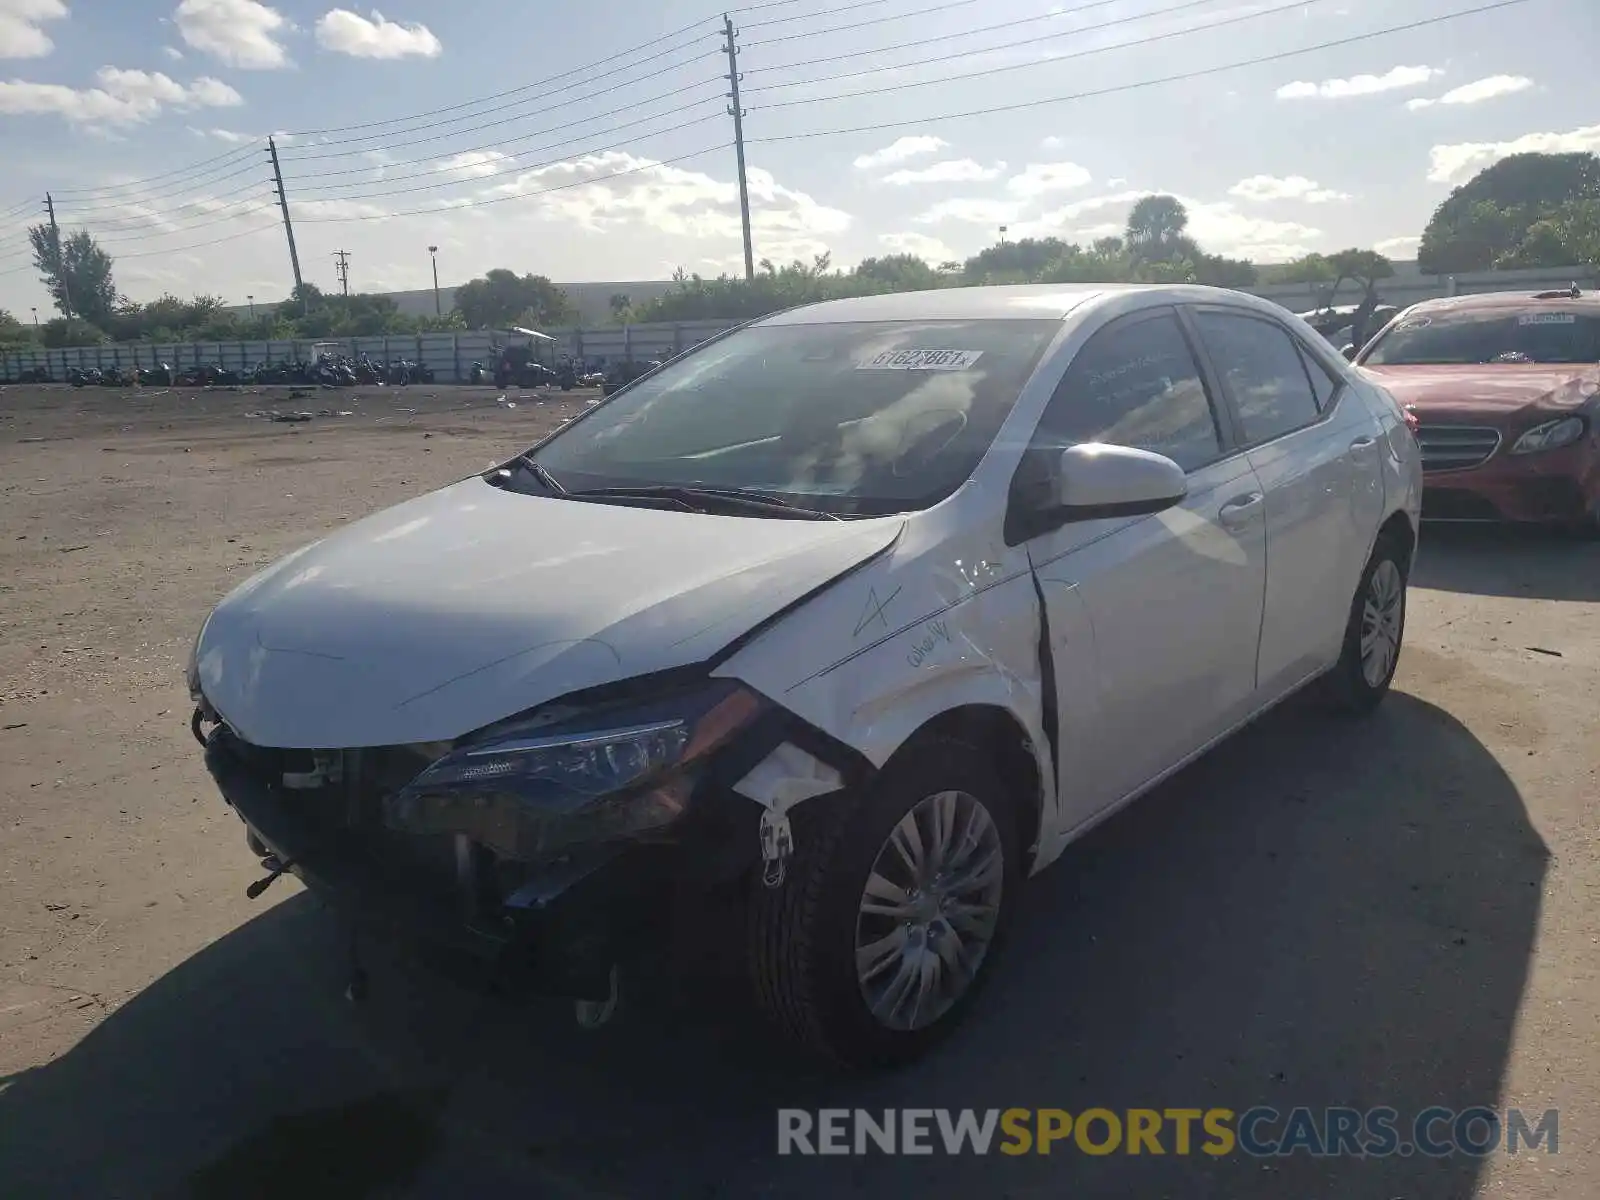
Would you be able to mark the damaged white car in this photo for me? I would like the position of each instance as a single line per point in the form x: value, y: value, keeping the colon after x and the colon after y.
x: 860, y: 612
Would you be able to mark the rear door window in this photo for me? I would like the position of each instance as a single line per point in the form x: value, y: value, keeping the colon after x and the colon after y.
x: 1264, y: 372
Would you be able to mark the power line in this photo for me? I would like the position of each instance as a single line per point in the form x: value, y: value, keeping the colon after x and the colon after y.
x: 561, y: 187
x: 261, y: 207
x: 232, y: 237
x: 538, y: 83
x: 516, y: 169
x: 821, y: 12
x: 905, y: 16
x: 1006, y: 68
x: 1115, y: 89
x: 587, y: 67
x: 529, y: 168
x: 440, y: 137
x: 1055, y: 15
x: 498, y: 146
x: 182, y: 187
x: 137, y: 184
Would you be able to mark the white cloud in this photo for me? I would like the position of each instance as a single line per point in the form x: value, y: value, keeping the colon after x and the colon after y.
x: 1052, y: 142
x: 1117, y: 182
x: 21, y: 35
x: 630, y: 191
x: 955, y: 170
x: 1359, y: 85
x: 1455, y: 163
x: 899, y: 150
x: 1222, y: 229
x: 1398, y: 247
x: 930, y: 249
x: 1477, y: 91
x: 233, y: 137
x: 122, y: 97
x: 242, y: 33
x: 1218, y: 226
x: 1288, y: 187
x: 1036, y: 179
x: 473, y: 164
x: 970, y: 211
x: 345, y: 32
x: 173, y: 53
x: 1068, y: 213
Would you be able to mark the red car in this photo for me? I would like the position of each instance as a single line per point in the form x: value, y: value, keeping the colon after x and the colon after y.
x: 1505, y: 389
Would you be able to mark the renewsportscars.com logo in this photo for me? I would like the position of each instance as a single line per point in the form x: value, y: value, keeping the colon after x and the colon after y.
x: 1259, y: 1132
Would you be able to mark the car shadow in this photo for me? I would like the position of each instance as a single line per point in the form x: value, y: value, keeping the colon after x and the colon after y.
x: 1318, y: 913
x: 1507, y: 560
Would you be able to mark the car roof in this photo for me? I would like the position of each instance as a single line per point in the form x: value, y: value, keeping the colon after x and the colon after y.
x: 1038, y: 301
x: 1511, y: 302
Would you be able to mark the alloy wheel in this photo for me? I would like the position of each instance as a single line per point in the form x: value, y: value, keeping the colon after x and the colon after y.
x: 1382, y: 611
x: 929, y: 910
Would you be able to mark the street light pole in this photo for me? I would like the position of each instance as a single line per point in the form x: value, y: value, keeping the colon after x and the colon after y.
x: 252, y: 301
x: 433, y: 253
x: 36, y: 318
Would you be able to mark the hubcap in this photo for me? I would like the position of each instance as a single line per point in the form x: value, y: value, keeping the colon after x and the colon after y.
x: 929, y: 910
x: 1381, y: 615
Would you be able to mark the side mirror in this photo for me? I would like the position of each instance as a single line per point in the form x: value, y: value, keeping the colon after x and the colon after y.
x: 1095, y: 481
x: 1349, y: 353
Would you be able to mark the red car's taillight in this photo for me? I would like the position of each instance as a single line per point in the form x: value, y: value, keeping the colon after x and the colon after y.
x: 1411, y: 418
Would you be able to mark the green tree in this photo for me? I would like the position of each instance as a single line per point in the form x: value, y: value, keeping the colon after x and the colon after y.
x: 503, y: 298
x: 1485, y: 222
x: 76, y: 272
x: 1155, y: 232
x: 1365, y: 267
x: 13, y: 332
x: 898, y: 273
x: 620, y: 303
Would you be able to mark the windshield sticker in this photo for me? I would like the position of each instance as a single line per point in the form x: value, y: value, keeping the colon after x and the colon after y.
x: 1547, y: 319
x: 921, y: 360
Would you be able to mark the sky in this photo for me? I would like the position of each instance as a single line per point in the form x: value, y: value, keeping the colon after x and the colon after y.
x: 592, y: 141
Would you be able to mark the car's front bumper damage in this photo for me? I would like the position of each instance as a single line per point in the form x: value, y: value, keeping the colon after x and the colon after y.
x: 562, y: 927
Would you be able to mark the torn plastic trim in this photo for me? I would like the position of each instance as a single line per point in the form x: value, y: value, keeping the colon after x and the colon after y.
x: 781, y: 762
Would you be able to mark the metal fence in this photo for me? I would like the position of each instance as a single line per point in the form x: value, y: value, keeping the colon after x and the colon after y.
x: 450, y: 355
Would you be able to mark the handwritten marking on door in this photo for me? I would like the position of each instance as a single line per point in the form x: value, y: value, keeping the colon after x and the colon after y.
x: 934, y: 633
x: 874, y: 610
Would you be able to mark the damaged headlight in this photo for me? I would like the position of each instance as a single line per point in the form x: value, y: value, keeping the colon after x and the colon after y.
x: 531, y: 792
x: 191, y: 673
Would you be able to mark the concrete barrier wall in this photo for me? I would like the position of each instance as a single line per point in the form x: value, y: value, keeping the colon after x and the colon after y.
x: 451, y: 355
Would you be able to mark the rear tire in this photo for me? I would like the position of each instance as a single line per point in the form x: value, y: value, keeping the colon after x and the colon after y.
x: 810, y: 935
x: 1374, y: 632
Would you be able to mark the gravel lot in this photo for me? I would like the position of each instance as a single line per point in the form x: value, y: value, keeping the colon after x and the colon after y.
x: 1401, y: 911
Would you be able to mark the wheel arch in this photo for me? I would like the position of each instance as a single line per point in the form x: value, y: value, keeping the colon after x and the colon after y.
x: 994, y: 730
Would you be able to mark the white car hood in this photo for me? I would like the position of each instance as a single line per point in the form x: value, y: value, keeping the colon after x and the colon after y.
x: 449, y: 612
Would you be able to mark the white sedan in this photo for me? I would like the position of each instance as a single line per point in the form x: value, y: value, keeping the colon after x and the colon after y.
x: 856, y: 615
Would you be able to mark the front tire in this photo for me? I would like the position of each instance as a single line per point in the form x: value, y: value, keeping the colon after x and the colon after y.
x: 1374, y: 632
x: 893, y: 910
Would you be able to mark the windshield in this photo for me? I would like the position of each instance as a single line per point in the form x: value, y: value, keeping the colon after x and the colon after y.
x: 861, y: 418
x: 1498, y: 336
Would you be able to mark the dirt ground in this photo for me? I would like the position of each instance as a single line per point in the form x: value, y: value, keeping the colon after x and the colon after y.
x: 1400, y: 911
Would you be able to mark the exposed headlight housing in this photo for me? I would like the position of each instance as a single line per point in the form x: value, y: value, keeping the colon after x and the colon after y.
x: 191, y: 673
x: 1552, y: 435
x: 530, y: 791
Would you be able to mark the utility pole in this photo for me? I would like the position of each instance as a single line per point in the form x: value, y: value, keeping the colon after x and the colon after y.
x: 344, y: 269
x: 737, y: 112
x: 288, y: 226
x: 61, y: 259
x: 438, y: 308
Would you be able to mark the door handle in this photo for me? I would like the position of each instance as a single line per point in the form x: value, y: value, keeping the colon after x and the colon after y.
x: 1239, y: 510
x: 1363, y: 443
